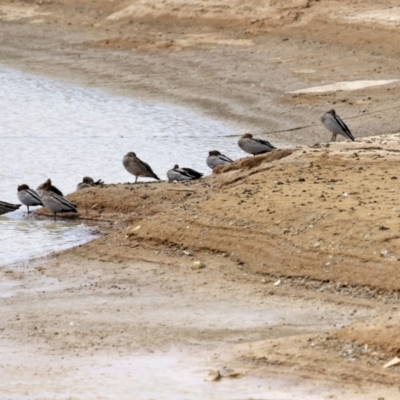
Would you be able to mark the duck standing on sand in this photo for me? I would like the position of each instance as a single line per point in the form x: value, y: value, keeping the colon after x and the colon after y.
x: 215, y: 158
x: 54, y: 202
x: 28, y: 196
x: 137, y: 167
x: 8, y: 207
x: 334, y: 123
x: 87, y: 182
x: 254, y: 146
x: 39, y: 189
x: 183, y: 174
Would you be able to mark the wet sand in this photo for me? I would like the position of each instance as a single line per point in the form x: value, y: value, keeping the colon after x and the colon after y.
x: 299, y: 246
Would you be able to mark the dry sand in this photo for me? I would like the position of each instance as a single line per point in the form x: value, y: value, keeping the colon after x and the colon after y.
x: 300, y: 246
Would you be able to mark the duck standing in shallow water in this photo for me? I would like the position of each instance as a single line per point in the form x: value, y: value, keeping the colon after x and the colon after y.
x: 215, y: 158
x: 39, y: 189
x: 183, y: 174
x: 87, y: 182
x: 8, y: 207
x: 334, y: 123
x: 254, y: 146
x: 28, y: 196
x: 54, y: 202
x: 137, y: 167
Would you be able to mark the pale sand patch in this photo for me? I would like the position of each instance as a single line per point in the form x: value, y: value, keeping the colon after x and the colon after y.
x: 128, y: 11
x: 225, y: 7
x: 215, y: 9
x: 15, y: 13
x: 304, y: 71
x: 346, y: 86
x: 194, y: 39
x: 386, y: 16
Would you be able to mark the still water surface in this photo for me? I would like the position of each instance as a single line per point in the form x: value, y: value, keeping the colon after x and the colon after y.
x: 50, y: 129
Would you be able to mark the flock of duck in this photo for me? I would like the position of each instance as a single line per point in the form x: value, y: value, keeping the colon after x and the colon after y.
x: 52, y: 198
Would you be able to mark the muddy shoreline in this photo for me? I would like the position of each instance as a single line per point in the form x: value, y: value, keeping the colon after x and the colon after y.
x: 299, y: 246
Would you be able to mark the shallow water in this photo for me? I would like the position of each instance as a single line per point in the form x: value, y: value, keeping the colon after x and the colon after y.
x: 22, y: 238
x: 50, y: 129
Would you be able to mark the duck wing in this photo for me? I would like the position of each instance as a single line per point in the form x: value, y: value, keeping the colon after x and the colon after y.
x: 193, y: 173
x: 149, y: 169
x: 344, y: 127
x: 264, y: 142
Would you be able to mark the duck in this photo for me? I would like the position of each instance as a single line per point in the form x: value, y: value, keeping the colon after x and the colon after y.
x: 8, y: 207
x: 39, y: 189
x: 137, y: 167
x: 215, y: 158
x: 55, y: 202
x: 28, y: 197
x: 335, y: 124
x: 87, y: 182
x: 254, y: 146
x: 183, y: 174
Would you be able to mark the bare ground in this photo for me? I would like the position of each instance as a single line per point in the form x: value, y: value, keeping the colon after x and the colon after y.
x: 310, y: 233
